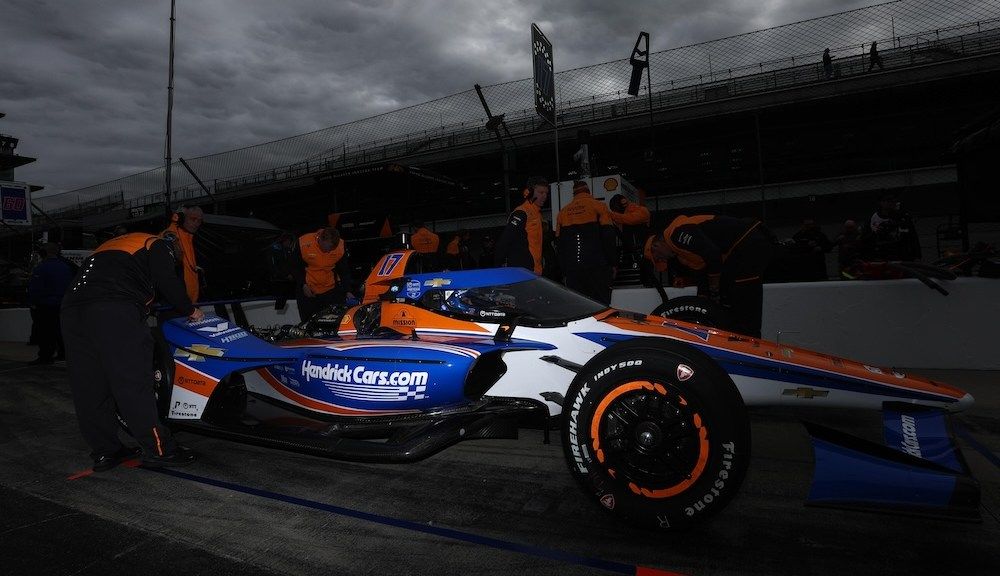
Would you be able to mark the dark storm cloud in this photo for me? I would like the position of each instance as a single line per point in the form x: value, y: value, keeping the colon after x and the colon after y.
x: 84, y: 83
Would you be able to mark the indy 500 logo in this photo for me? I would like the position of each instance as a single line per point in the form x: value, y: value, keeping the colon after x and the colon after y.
x: 347, y: 374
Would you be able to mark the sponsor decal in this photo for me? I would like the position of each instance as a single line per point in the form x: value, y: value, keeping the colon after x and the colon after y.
x: 805, y: 392
x: 195, y: 382
x: 911, y: 443
x: 786, y: 352
x: 234, y: 337
x: 684, y: 372
x: 412, y: 288
x: 345, y: 373
x: 899, y: 374
x: 872, y: 369
x: 184, y: 406
x: 437, y: 282
x: 610, y: 184
x: 684, y: 238
x: 491, y: 314
x: 220, y: 327
x: 728, y: 449
x: 402, y: 319
x: 198, y: 352
x: 664, y: 521
x: 174, y: 413
x: 608, y: 501
x: 224, y: 332
x: 206, y: 321
x: 157, y: 376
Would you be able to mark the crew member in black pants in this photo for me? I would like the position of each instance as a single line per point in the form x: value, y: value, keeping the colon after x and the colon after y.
x: 732, y: 253
x: 109, y: 349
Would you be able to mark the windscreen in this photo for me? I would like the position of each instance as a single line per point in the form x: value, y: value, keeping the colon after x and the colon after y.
x: 538, y: 302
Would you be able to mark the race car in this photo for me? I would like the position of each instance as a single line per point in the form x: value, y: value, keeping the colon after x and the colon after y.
x: 652, y: 410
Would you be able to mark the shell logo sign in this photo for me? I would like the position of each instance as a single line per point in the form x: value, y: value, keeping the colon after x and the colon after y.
x: 610, y: 184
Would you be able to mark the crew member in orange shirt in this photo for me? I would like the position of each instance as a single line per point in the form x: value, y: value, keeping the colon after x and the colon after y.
x: 185, y: 224
x: 426, y: 244
x: 321, y: 262
x: 520, y: 243
x: 586, y: 238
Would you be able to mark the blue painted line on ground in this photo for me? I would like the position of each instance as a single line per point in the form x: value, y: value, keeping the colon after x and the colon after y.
x: 546, y: 553
x: 977, y: 445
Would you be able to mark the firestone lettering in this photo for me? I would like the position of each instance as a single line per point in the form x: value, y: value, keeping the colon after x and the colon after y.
x: 359, y: 375
x: 720, y: 481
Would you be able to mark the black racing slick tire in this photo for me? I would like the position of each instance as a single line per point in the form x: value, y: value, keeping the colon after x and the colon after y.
x: 656, y: 433
x: 694, y: 309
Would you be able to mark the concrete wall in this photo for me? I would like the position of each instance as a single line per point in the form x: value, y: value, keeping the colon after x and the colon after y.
x: 888, y: 322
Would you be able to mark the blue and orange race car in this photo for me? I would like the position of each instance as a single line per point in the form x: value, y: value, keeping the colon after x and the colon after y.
x: 652, y: 410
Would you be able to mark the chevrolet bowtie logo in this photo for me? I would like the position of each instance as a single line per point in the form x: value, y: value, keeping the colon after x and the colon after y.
x: 437, y: 282
x: 198, y: 352
x: 804, y: 392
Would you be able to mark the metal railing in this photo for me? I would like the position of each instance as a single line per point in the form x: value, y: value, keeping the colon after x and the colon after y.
x: 910, y: 32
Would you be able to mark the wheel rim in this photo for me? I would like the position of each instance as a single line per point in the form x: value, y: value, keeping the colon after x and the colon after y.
x: 650, y: 438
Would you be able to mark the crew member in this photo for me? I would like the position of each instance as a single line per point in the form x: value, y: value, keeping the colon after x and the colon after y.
x: 731, y: 252
x: 521, y: 241
x: 184, y: 224
x: 586, y: 239
x: 321, y: 253
x: 426, y: 244
x: 109, y: 348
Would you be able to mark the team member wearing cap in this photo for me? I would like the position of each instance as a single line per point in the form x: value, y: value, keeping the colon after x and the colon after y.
x: 732, y: 252
x: 109, y: 349
x: 520, y: 243
x: 586, y: 240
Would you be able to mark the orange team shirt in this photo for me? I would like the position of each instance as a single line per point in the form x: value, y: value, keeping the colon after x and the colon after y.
x: 190, y: 263
x: 319, y: 265
x: 424, y: 241
x: 634, y: 215
x: 583, y: 209
x: 533, y: 230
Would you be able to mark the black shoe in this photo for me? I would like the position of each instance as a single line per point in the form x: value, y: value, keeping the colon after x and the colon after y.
x: 179, y: 457
x: 104, y: 463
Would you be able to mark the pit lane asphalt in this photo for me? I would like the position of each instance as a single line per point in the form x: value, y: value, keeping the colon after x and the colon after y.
x: 482, y: 507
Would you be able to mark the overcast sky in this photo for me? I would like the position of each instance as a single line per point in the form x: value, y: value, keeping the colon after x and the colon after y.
x: 83, y: 82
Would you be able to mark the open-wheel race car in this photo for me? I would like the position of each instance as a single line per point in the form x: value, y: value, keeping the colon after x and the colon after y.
x: 652, y: 410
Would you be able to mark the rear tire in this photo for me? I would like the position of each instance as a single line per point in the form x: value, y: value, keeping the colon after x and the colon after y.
x: 656, y: 433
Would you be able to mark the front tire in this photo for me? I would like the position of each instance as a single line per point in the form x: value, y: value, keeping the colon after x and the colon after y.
x: 656, y: 433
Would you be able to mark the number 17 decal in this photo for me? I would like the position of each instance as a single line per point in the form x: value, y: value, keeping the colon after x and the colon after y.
x: 389, y: 264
